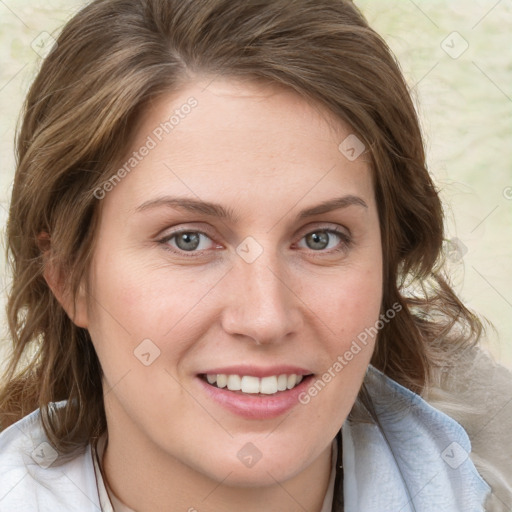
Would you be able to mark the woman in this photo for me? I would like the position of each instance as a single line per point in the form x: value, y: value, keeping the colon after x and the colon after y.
x: 228, y: 286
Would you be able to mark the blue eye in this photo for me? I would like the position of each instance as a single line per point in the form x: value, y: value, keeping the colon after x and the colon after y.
x: 323, y: 241
x: 187, y: 241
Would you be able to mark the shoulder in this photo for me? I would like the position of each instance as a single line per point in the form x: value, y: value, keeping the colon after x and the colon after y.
x: 477, y: 392
x: 36, y: 477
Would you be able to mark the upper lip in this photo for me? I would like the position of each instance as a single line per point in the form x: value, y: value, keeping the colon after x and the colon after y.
x: 257, y: 371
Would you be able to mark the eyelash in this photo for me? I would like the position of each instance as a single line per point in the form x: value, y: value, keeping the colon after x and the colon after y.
x: 345, y: 242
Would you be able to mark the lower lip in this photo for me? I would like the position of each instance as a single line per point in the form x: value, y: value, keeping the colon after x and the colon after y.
x: 257, y: 407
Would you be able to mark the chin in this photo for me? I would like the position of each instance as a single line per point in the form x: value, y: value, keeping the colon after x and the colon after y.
x: 260, y: 475
x: 252, y: 468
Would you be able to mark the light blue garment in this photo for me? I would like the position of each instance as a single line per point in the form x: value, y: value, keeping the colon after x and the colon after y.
x: 418, y: 462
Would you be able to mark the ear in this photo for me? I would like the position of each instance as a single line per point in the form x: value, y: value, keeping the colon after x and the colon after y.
x: 54, y: 275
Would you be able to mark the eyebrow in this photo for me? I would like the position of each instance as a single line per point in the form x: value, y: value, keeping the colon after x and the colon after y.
x: 217, y: 210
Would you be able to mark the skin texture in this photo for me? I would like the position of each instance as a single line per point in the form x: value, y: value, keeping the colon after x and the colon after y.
x: 264, y: 153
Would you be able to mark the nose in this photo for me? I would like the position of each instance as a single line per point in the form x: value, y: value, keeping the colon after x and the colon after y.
x: 261, y: 304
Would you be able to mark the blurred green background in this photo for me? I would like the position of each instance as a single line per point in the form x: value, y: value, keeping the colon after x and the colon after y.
x: 457, y: 58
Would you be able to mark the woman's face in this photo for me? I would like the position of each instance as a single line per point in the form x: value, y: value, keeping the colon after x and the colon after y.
x: 240, y: 248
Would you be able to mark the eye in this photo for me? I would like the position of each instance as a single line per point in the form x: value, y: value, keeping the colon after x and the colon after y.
x: 187, y: 241
x: 333, y: 240
x: 323, y: 240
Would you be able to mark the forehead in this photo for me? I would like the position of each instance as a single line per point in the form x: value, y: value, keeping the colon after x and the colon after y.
x: 242, y: 140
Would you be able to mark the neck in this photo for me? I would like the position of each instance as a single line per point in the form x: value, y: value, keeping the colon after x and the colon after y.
x: 146, y: 479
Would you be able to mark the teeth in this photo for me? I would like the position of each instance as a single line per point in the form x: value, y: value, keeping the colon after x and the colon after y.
x: 253, y: 385
x: 281, y: 382
x: 292, y: 380
x: 234, y: 383
x: 250, y: 384
x: 268, y: 385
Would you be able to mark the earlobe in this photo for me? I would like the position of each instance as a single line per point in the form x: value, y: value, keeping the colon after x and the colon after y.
x: 77, y: 309
x: 54, y: 275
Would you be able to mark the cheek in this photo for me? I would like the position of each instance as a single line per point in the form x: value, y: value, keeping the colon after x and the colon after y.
x: 350, y: 311
x: 350, y: 314
x: 348, y: 303
x: 362, y: 300
x: 145, y: 301
x: 132, y: 302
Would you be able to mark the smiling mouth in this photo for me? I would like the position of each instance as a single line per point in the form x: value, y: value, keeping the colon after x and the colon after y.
x: 250, y: 385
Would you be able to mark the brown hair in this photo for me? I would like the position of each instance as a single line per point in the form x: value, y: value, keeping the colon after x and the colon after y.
x: 110, y: 60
